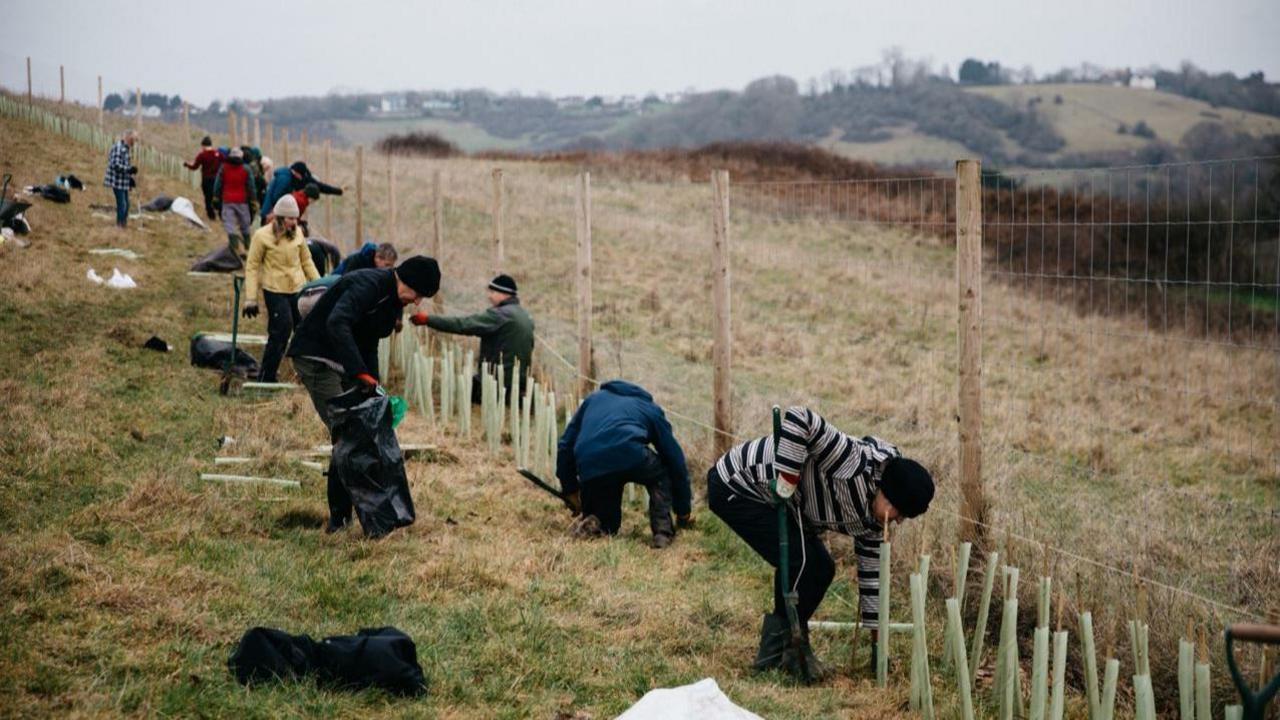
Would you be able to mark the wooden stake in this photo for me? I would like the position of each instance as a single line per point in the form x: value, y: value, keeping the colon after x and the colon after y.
x: 137, y: 121
x: 30, y: 99
x: 437, y: 241
x: 586, y: 359
x: 973, y: 507
x: 722, y: 348
x: 359, y: 196
x: 302, y: 142
x: 62, y: 87
x: 231, y: 128
x: 257, y: 132
x: 499, y: 252
x: 390, y: 232
x: 269, y: 135
x: 284, y: 146
x: 102, y: 120
x: 328, y: 206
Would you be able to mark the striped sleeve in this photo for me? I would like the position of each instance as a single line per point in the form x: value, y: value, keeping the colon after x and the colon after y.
x: 868, y: 553
x: 801, y: 427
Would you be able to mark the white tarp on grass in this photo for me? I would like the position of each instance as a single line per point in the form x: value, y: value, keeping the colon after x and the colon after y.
x: 702, y: 700
x: 183, y: 208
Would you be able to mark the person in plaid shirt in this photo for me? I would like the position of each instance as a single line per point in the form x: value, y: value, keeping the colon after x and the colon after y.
x: 120, y: 172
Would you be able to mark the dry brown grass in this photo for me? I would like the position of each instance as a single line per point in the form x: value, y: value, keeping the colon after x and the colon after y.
x: 1093, y: 445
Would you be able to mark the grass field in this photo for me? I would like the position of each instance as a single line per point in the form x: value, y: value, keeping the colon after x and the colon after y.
x: 127, y: 582
x: 467, y: 136
x: 1089, y: 114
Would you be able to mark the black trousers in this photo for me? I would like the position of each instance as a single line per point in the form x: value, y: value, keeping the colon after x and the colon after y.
x: 282, y: 316
x: 812, y: 568
x: 206, y: 187
x: 602, y: 496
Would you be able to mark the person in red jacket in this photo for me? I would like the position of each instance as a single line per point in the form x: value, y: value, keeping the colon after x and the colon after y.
x: 235, y: 192
x: 207, y: 162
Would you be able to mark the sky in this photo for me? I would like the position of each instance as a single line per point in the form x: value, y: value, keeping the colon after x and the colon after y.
x: 588, y: 47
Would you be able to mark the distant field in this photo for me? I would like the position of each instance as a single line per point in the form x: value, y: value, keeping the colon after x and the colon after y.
x: 1089, y: 114
x: 907, y: 147
x: 467, y: 136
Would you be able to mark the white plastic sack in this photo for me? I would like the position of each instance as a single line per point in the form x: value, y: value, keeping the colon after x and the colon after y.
x: 94, y: 277
x: 702, y: 700
x: 187, y: 211
x: 120, y: 281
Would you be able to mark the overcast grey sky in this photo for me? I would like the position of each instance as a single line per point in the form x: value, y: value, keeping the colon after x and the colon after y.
x: 286, y: 47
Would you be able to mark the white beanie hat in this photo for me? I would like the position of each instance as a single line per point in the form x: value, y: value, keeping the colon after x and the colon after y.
x: 286, y: 206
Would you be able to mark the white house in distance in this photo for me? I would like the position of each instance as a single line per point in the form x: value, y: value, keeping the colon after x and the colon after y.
x: 1142, y: 81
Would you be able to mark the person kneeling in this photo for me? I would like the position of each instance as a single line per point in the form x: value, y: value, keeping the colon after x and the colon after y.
x: 836, y: 483
x: 607, y: 445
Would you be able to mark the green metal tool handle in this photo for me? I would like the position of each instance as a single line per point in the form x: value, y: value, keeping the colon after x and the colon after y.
x: 1255, y: 704
x: 789, y: 596
x: 236, y: 283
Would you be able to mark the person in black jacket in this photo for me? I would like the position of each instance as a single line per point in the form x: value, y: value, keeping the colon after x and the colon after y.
x: 336, y: 346
x: 620, y: 435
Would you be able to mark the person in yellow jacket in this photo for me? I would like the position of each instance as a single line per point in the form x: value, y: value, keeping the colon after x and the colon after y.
x: 280, y: 264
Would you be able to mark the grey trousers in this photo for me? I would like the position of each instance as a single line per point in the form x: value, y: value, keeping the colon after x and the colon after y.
x: 323, y: 383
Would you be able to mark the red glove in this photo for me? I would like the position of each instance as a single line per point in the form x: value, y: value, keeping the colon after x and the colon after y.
x: 419, y: 318
x: 369, y: 381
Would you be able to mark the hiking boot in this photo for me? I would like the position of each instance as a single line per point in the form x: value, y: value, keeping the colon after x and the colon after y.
x: 331, y: 527
x: 586, y: 527
x: 773, y: 640
x: 660, y: 541
x: 802, y: 665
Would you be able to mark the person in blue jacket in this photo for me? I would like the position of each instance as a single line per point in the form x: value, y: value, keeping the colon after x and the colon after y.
x: 619, y: 435
x: 287, y: 179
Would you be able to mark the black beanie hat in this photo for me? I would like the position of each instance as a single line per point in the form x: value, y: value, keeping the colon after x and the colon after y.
x: 907, y: 485
x: 420, y: 273
x: 206, y: 141
x: 503, y: 284
x: 300, y: 168
x: 312, y: 190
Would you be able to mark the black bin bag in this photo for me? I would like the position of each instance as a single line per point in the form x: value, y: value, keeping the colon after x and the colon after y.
x: 382, y: 658
x: 209, y: 353
x: 368, y: 463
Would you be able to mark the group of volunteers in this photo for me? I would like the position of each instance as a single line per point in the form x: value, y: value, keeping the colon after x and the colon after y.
x: 827, y: 480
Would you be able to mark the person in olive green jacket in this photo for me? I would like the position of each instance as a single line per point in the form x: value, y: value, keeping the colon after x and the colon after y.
x: 280, y: 263
x: 505, y: 331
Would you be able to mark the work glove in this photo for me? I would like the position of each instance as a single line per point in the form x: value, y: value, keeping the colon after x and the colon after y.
x: 419, y: 318
x: 250, y: 310
x: 132, y: 183
x: 685, y: 522
x: 786, y: 486
x: 369, y: 382
x: 575, y: 501
x: 133, y: 169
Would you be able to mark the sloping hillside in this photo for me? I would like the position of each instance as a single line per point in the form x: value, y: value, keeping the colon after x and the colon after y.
x: 1089, y: 115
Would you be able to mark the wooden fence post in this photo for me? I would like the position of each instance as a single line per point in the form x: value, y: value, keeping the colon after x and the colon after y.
x: 231, y: 128
x: 302, y: 143
x: 722, y: 350
x: 101, y: 120
x: 257, y: 132
x: 269, y: 134
x: 328, y: 206
x: 498, y: 250
x: 284, y: 146
x: 137, y: 121
x: 359, y: 196
x: 973, y: 503
x: 586, y: 358
x: 62, y: 97
x: 437, y: 237
x: 392, y: 235
x: 29, y: 94
x: 186, y: 122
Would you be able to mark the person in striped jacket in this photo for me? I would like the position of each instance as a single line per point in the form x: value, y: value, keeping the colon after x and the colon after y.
x: 833, y: 482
